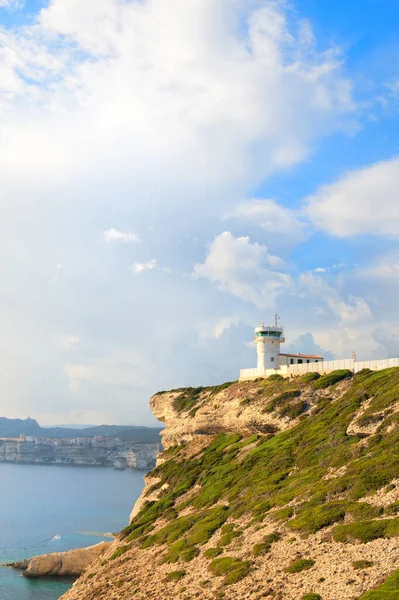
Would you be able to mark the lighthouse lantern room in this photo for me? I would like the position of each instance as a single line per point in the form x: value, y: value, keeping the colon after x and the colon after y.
x: 268, y: 339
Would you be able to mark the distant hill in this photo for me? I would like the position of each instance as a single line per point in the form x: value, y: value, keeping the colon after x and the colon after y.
x: 14, y: 427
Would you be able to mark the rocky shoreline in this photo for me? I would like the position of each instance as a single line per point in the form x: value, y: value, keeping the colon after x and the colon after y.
x: 60, y: 564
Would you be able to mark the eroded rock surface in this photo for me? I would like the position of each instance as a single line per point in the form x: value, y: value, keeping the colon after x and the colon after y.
x: 62, y: 564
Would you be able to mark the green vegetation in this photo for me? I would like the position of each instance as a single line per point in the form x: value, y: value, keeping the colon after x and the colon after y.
x: 362, y: 564
x: 233, y: 569
x: 301, y: 564
x: 187, y: 399
x: 229, y: 533
x: 332, y: 378
x: 293, y: 409
x: 366, y: 531
x: 119, y: 551
x: 281, y: 399
x: 212, y: 552
x: 175, y: 575
x: 181, y: 550
x: 285, y: 477
x: 309, y: 377
x: 311, y: 596
x: 265, y: 546
x: 389, y: 590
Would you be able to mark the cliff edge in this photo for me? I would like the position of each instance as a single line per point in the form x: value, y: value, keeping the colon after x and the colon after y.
x: 275, y: 488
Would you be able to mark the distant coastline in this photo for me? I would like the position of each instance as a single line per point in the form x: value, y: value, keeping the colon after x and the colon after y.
x: 79, y: 452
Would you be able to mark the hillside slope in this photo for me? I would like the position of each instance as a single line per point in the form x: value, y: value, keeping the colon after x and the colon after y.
x: 269, y: 489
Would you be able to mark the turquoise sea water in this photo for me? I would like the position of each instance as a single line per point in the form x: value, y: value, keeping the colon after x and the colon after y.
x: 40, y: 502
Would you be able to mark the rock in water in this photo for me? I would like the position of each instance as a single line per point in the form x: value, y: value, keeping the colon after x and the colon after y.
x: 62, y: 564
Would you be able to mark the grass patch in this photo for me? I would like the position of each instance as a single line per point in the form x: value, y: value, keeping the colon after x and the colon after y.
x: 181, y: 550
x: 293, y: 409
x: 175, y: 575
x: 119, y: 551
x: 233, y: 569
x: 315, y: 518
x: 212, y: 552
x: 187, y: 399
x: 309, y: 377
x: 359, y: 565
x: 311, y: 596
x: 301, y: 564
x: 366, y: 531
x: 332, y: 378
x: 389, y: 590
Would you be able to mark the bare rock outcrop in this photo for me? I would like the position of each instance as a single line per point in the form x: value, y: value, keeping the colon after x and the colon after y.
x: 63, y: 564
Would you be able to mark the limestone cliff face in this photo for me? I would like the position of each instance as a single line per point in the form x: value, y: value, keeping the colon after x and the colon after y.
x: 62, y: 564
x: 263, y: 490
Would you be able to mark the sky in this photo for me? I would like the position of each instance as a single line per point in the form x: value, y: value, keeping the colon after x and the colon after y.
x: 172, y: 174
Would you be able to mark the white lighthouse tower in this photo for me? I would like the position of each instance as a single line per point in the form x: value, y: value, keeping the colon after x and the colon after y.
x: 268, y: 339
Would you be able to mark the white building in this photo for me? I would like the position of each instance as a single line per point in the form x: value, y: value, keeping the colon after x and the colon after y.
x: 268, y: 339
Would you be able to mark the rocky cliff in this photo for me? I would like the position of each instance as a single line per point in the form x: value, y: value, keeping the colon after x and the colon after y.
x: 276, y: 488
x: 89, y: 453
x: 61, y: 564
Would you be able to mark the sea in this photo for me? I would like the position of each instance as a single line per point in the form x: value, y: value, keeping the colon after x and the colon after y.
x: 56, y: 508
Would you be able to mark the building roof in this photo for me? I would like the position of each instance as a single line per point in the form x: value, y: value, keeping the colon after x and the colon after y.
x: 302, y: 355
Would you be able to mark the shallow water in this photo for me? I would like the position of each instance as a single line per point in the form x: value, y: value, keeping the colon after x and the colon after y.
x: 75, y: 503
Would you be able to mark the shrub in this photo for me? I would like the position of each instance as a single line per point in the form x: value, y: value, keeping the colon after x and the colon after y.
x: 362, y: 564
x: 301, y: 564
x: 392, y: 509
x: 282, y: 514
x: 203, y: 530
x: 175, y: 575
x: 332, y: 378
x: 309, y: 377
x: 275, y: 377
x: 181, y: 550
x: 228, y: 537
x: 315, y: 518
x: 119, y: 551
x: 311, y: 596
x: 281, y: 399
x: 234, y: 569
x: 261, y: 548
x: 187, y: 399
x: 212, y: 552
x: 293, y: 410
x: 366, y: 531
x: 388, y: 590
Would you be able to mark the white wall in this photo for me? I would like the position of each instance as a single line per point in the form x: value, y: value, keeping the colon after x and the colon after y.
x: 321, y: 367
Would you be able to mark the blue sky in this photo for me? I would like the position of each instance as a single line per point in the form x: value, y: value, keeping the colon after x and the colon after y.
x: 174, y: 173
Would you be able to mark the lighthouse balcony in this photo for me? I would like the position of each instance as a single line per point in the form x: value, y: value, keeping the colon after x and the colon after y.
x: 269, y: 336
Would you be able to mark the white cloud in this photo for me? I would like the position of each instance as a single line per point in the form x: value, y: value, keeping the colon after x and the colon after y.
x: 104, y: 100
x: 12, y: 4
x: 138, y: 267
x: 244, y: 269
x: 210, y: 84
x: 272, y: 217
x: 361, y: 202
x: 68, y: 342
x: 112, y: 235
x: 386, y: 269
x: 225, y: 324
x: 353, y: 310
